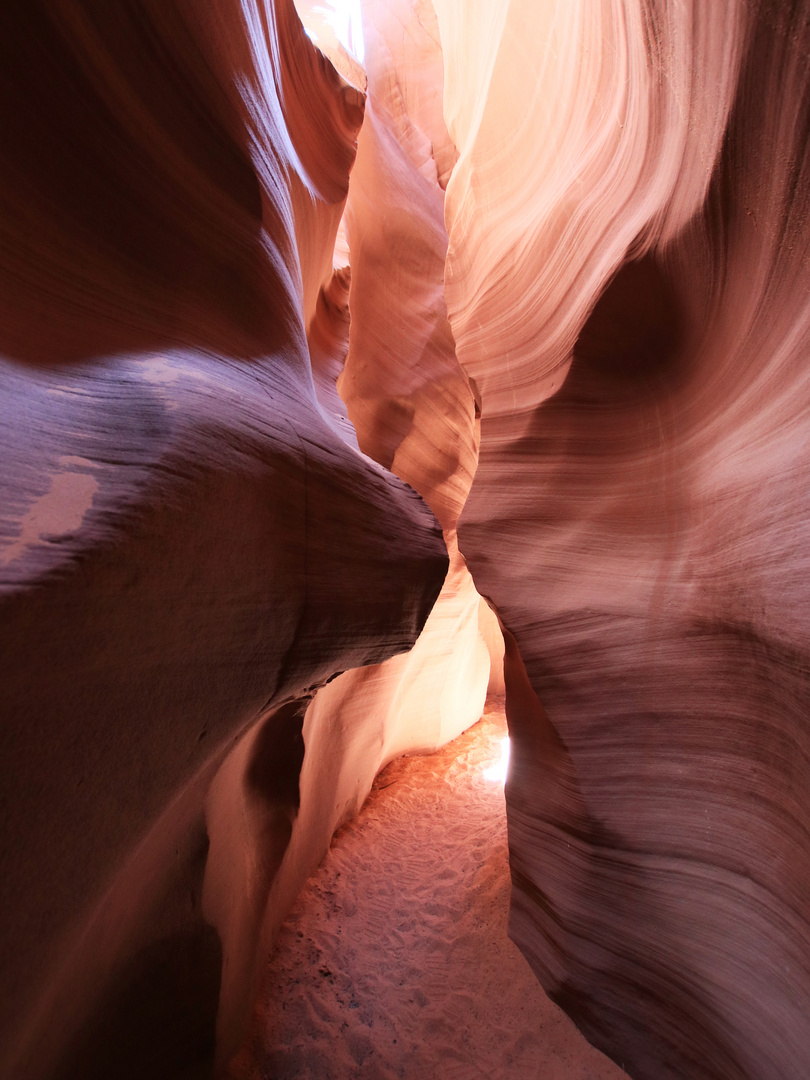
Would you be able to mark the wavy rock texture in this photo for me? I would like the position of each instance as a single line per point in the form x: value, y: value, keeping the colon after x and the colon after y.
x: 401, y: 387
x: 190, y: 543
x: 407, y: 402
x: 406, y: 396
x: 627, y: 283
x: 196, y: 536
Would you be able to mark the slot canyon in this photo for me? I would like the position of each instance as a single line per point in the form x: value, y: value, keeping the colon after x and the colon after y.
x: 354, y: 373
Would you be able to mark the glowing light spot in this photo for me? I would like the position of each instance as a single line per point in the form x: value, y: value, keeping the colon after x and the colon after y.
x: 497, y: 773
x: 346, y: 20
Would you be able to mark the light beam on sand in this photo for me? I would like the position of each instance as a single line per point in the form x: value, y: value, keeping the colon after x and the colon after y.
x: 497, y: 773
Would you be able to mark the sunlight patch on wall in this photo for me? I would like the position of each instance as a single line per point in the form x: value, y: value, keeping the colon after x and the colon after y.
x: 497, y: 773
x: 340, y: 19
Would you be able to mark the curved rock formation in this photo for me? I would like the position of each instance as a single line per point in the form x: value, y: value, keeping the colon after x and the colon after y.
x: 249, y: 408
x: 406, y: 396
x: 641, y: 519
x: 189, y: 542
x: 407, y: 402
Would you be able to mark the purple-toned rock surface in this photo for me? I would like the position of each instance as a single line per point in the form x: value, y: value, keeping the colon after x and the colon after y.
x: 188, y: 541
x: 555, y: 329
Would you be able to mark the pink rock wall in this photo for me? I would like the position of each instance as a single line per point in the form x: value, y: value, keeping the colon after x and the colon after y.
x: 378, y: 330
x: 587, y: 357
x: 632, y: 304
x: 189, y: 542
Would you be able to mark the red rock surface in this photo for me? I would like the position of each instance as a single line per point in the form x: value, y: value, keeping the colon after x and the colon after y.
x: 380, y: 334
x: 634, y: 311
x: 189, y: 541
x: 569, y: 349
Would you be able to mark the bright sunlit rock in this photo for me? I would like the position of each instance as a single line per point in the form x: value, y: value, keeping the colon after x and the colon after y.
x: 342, y: 16
x: 497, y: 773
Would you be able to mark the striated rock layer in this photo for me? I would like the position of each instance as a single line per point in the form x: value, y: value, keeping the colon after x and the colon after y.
x: 191, y: 540
x: 384, y: 365
x: 627, y: 283
x: 408, y: 399
x: 217, y: 439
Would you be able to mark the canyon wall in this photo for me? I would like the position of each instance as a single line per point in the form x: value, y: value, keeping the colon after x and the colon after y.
x: 192, y: 541
x: 627, y: 283
x: 554, y: 329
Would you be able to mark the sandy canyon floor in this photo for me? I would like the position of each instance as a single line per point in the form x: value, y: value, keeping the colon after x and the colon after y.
x: 395, y: 961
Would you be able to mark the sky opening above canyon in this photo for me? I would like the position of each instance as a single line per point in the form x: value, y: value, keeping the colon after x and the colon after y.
x: 345, y: 19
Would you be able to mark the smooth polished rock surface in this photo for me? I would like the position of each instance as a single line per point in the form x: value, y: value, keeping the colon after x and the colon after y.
x: 627, y: 283
x: 385, y: 368
x: 572, y: 351
x: 188, y: 540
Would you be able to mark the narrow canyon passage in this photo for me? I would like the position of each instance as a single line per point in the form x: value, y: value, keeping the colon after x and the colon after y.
x: 329, y: 329
x: 395, y: 960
